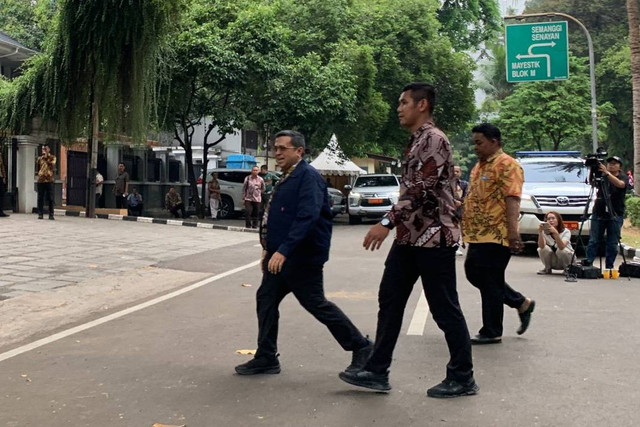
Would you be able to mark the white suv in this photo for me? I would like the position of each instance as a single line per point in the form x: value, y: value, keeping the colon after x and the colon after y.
x: 554, y: 181
x: 372, y: 196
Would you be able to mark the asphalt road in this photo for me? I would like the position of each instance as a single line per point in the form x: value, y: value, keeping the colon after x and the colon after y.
x: 172, y: 362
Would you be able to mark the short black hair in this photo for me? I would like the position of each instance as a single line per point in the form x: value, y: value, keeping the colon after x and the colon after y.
x: 420, y: 90
x: 489, y: 131
x: 297, y: 139
x: 264, y: 167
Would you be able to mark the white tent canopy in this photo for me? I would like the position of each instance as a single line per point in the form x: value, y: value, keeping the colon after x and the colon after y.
x: 332, y: 161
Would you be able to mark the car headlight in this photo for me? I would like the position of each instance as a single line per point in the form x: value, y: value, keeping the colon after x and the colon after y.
x: 354, y: 199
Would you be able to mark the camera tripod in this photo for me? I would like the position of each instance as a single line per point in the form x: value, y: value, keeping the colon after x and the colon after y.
x: 597, y: 183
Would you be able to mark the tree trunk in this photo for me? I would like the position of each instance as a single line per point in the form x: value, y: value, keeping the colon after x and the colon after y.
x: 188, y: 154
x: 634, y: 44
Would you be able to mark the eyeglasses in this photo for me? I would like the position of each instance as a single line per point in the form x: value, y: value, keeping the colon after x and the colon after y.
x: 277, y: 148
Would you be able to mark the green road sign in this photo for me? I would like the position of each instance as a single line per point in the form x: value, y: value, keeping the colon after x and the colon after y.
x: 537, y: 51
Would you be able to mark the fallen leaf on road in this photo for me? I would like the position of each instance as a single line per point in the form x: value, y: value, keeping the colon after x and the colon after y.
x: 246, y: 285
x: 93, y: 266
x: 246, y: 351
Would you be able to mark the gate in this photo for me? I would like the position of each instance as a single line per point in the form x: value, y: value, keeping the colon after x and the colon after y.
x: 77, y: 162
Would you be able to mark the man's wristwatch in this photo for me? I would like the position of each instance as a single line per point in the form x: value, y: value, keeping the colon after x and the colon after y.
x: 386, y: 222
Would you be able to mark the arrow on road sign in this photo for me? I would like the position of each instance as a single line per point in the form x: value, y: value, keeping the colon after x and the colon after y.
x: 540, y: 55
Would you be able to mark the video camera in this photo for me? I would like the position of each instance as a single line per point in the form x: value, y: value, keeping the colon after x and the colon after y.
x: 593, y: 162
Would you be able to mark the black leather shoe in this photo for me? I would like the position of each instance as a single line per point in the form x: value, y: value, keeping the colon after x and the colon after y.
x: 360, y: 357
x: 51, y: 217
x: 525, y: 318
x: 367, y: 379
x: 259, y: 365
x: 452, y: 388
x: 40, y: 217
x: 481, y: 339
x: 586, y: 263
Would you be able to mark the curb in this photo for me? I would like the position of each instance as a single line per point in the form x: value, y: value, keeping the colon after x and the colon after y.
x: 150, y: 220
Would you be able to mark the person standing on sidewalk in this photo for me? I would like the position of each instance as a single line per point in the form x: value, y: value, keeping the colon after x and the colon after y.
x: 3, y: 183
x: 425, y: 245
x: 214, y: 195
x: 46, y: 165
x: 295, y: 235
x: 490, y: 228
x: 99, y: 187
x: 252, y: 190
x: 121, y: 187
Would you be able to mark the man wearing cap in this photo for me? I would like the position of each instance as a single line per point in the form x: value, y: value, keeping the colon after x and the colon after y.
x: 615, y: 185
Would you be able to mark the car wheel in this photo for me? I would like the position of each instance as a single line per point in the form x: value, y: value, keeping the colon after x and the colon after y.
x: 353, y: 219
x: 226, y: 208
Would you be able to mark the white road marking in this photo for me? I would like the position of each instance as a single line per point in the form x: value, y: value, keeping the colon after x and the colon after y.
x: 60, y: 335
x: 419, y: 319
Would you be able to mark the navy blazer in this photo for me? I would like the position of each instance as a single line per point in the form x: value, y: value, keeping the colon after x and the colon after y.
x: 300, y: 220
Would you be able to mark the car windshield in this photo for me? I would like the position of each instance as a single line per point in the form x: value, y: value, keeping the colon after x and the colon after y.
x: 376, y: 181
x: 555, y: 172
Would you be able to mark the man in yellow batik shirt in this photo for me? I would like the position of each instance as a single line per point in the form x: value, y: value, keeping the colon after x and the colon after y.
x: 46, y: 165
x: 490, y: 227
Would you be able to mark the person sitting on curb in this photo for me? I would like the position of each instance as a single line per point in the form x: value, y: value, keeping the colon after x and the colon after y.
x: 173, y: 203
x: 134, y: 203
x: 554, y: 243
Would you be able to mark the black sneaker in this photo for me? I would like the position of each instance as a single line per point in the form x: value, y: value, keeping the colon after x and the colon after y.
x: 259, y: 365
x: 367, y: 379
x: 51, y: 217
x: 586, y: 263
x: 40, y: 217
x: 452, y: 388
x: 360, y: 357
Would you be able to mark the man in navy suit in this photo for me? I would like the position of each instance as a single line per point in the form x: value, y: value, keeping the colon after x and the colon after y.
x: 296, y: 235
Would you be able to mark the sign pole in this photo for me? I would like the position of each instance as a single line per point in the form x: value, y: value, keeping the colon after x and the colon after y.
x: 592, y: 73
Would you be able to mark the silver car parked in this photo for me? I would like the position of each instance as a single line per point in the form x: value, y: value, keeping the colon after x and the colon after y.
x: 372, y: 196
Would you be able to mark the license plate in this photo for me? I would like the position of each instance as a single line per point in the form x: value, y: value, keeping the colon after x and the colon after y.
x: 571, y: 225
x: 375, y: 201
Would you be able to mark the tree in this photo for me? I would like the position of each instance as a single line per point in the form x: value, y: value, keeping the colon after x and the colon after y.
x: 225, y: 56
x: 634, y: 46
x: 470, y: 23
x: 546, y: 115
x: 27, y: 21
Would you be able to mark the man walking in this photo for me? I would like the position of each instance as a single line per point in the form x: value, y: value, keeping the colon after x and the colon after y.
x: 121, y: 187
x: 426, y: 240
x: 295, y: 235
x: 252, y: 190
x: 46, y: 165
x: 490, y: 227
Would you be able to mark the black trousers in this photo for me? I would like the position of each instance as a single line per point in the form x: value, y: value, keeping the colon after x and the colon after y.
x: 485, y: 266
x: 251, y: 214
x: 121, y: 201
x: 178, y: 208
x: 2, y: 191
x: 45, y: 193
x: 436, y: 267
x: 306, y: 284
x: 135, y: 210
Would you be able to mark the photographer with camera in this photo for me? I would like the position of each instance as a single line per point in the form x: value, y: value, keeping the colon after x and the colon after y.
x: 608, y: 211
x: 554, y: 243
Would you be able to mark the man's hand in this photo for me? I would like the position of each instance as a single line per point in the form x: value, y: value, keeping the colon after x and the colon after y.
x: 515, y: 244
x: 457, y: 203
x: 375, y: 237
x: 276, y: 262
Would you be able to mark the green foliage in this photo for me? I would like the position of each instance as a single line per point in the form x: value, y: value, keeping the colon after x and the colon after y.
x: 551, y: 115
x: 613, y: 75
x: 632, y: 209
x: 27, y: 21
x: 468, y: 23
